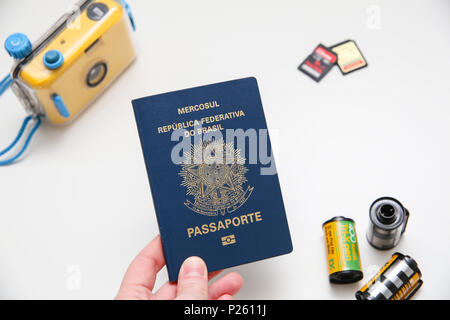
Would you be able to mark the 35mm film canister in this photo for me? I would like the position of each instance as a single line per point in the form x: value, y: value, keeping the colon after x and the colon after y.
x: 388, y: 219
x: 344, y: 265
x: 399, y: 279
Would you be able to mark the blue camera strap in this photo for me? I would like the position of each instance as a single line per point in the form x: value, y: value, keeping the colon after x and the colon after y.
x: 4, y: 84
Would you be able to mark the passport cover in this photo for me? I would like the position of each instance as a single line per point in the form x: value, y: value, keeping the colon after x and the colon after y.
x: 226, y: 212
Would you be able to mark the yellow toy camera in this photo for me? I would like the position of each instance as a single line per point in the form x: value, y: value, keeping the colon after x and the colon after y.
x: 61, y: 74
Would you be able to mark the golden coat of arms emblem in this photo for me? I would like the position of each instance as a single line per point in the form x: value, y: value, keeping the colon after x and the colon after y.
x: 214, y: 176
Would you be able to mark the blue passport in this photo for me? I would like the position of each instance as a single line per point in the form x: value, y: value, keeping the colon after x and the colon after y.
x: 212, y: 175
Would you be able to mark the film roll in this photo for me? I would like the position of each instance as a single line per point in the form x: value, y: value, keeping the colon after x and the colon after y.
x: 388, y: 219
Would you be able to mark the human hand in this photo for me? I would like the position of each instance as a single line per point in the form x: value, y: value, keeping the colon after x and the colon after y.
x: 192, y: 284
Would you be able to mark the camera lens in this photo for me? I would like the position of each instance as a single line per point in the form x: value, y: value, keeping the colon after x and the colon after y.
x: 96, y: 74
x: 97, y: 11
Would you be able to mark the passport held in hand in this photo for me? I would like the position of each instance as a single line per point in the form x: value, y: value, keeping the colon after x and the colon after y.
x: 212, y: 175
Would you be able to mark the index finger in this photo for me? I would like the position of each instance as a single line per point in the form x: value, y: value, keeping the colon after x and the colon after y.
x: 144, y: 268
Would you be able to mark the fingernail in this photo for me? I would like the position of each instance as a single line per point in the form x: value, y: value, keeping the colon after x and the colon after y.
x: 193, y: 267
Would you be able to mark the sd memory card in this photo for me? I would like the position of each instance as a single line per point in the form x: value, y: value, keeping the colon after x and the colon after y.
x: 318, y: 63
x: 350, y: 57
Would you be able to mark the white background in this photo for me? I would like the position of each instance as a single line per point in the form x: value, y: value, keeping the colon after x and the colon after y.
x: 77, y: 209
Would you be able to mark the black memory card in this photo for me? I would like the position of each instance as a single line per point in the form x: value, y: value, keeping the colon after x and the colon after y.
x: 318, y: 63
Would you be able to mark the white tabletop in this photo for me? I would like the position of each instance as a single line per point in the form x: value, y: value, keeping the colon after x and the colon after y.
x: 77, y: 209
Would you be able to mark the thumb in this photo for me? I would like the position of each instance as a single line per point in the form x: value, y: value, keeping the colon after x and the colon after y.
x: 193, y: 280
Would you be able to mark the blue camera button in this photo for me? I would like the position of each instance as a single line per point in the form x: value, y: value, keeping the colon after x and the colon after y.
x: 18, y: 45
x: 60, y: 106
x: 53, y: 59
